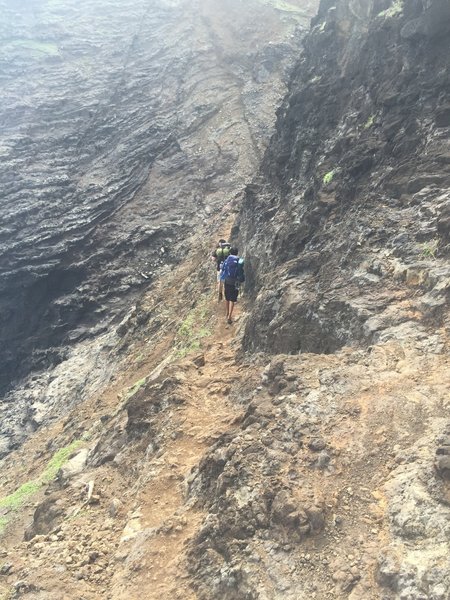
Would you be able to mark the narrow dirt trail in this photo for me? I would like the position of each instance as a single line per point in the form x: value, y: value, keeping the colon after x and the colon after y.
x: 142, y: 547
x: 164, y: 521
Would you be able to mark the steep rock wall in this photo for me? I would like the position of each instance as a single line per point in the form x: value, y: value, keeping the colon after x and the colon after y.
x: 346, y: 230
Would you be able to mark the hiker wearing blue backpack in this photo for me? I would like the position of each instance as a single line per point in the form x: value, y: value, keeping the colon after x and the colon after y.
x: 232, y: 275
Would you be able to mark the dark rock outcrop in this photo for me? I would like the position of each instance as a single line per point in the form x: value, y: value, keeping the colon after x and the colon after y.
x: 45, y: 518
x: 251, y: 503
x: 351, y: 206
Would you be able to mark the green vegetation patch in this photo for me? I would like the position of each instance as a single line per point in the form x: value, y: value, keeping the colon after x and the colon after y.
x: 328, y: 177
x: 429, y: 249
x: 369, y: 122
x: 135, y: 387
x: 392, y: 11
x: 193, y: 329
x: 58, y: 460
x: 14, y: 502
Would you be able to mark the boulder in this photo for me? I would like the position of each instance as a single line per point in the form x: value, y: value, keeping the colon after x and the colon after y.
x: 46, y: 517
x: 73, y: 466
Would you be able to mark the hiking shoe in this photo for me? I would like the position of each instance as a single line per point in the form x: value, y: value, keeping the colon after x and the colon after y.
x: 229, y: 321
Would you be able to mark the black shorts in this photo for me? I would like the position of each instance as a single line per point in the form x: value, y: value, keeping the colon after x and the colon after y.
x: 231, y: 292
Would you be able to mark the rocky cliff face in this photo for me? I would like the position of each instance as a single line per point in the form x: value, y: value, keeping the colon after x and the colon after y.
x: 352, y: 208
x: 125, y: 126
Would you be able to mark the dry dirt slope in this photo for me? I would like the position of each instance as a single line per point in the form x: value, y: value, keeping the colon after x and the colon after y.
x: 188, y: 424
x: 202, y: 473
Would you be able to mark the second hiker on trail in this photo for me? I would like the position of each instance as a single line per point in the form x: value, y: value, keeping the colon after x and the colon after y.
x: 220, y: 254
x: 232, y: 275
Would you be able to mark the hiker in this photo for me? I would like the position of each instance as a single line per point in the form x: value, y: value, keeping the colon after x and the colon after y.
x: 232, y: 275
x: 219, y: 255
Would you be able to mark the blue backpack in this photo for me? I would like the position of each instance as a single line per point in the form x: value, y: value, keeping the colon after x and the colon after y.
x: 230, y: 269
x: 233, y: 270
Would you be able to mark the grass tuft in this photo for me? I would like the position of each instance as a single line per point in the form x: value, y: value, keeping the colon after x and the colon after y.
x: 369, y: 122
x: 328, y: 177
x: 429, y: 249
x: 14, y: 502
x: 392, y: 11
x: 192, y: 330
x: 135, y: 387
x: 58, y: 460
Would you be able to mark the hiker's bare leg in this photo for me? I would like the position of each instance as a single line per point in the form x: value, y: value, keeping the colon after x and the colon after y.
x: 219, y: 287
x: 231, y: 310
x: 227, y: 302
